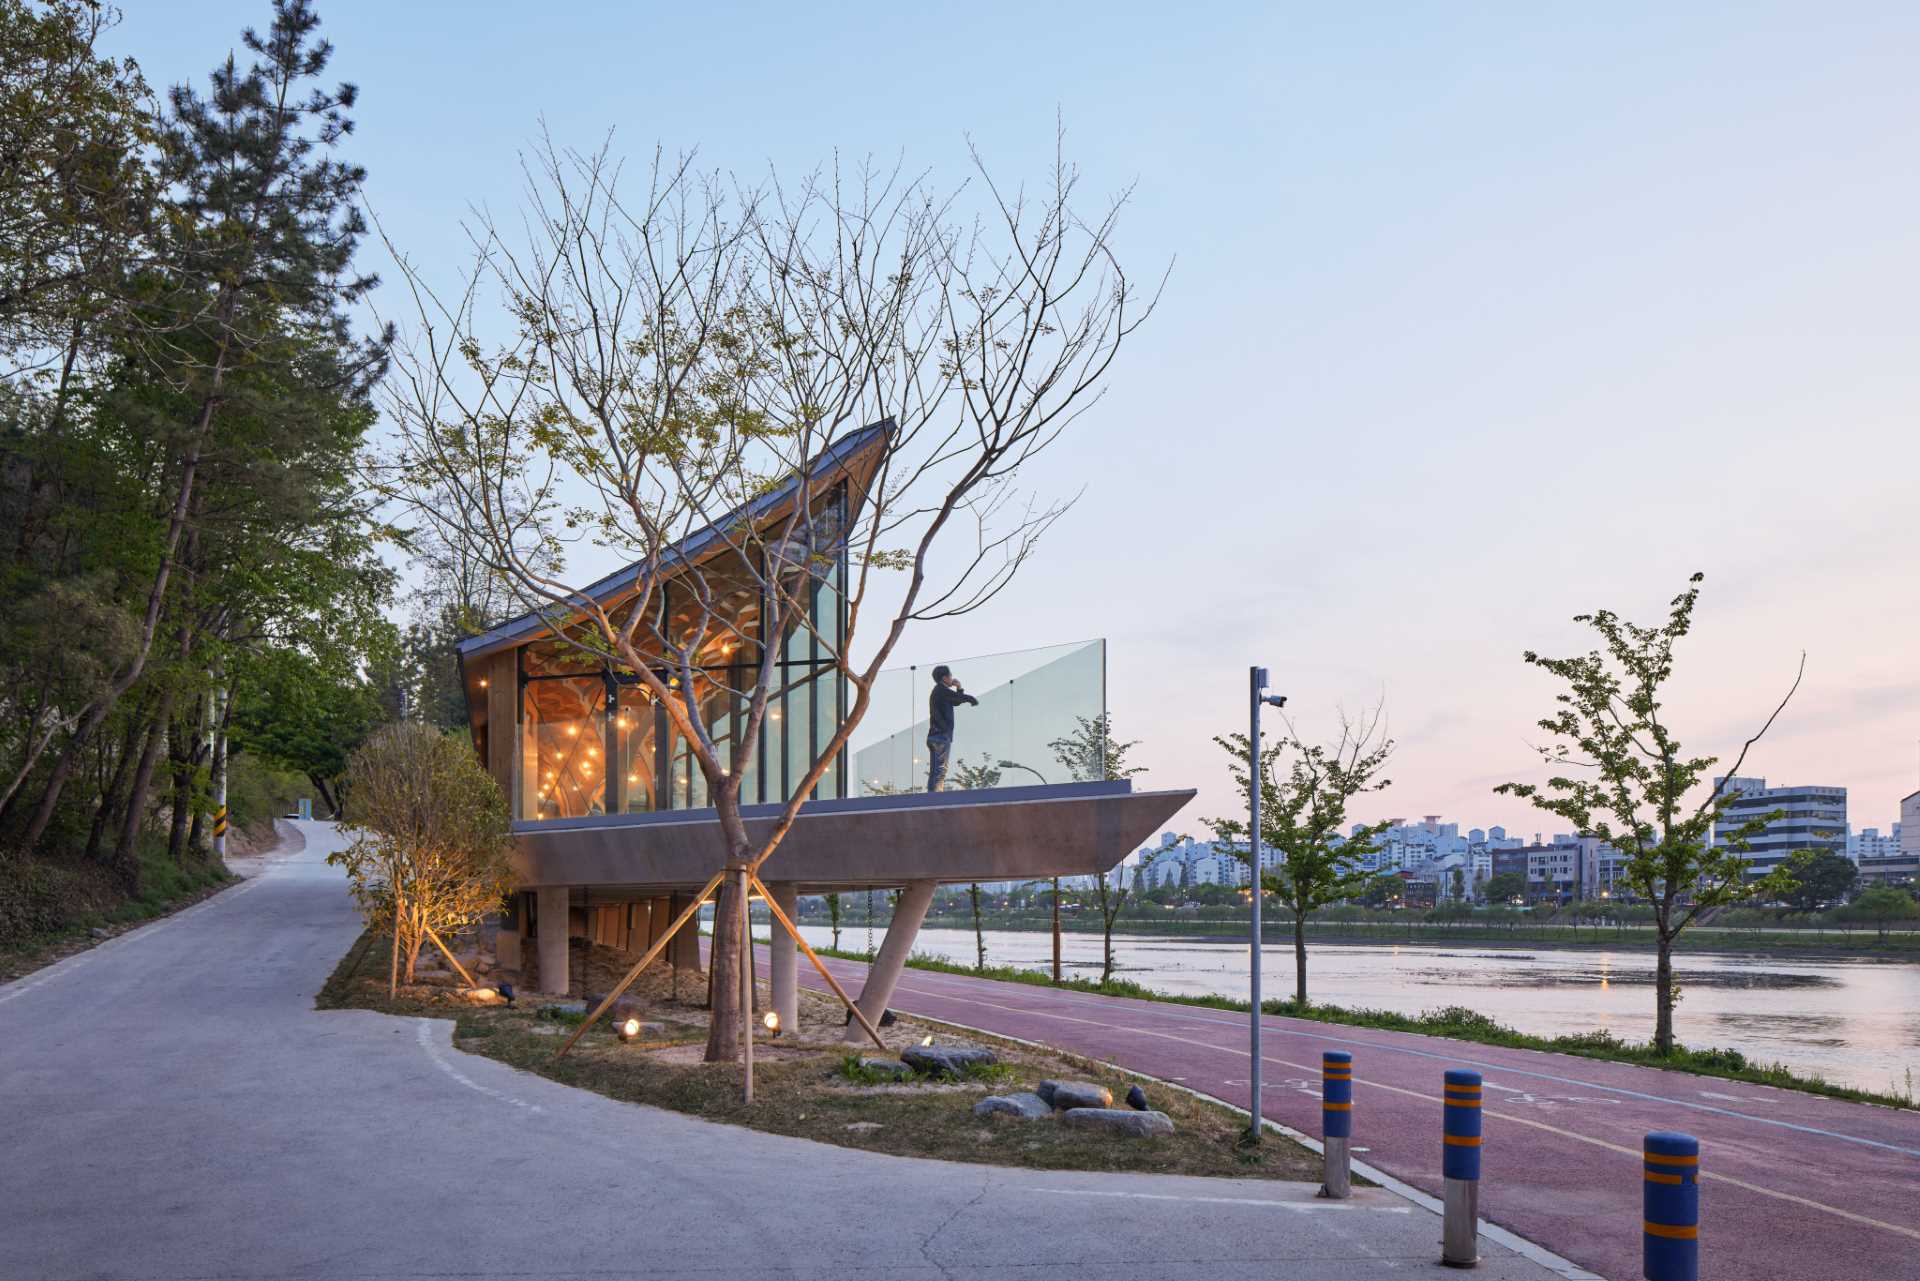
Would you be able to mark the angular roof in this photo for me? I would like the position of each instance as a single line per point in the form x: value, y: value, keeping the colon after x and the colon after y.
x: 845, y: 455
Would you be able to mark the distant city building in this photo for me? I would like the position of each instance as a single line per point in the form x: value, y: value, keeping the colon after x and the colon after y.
x: 1909, y: 827
x: 1869, y: 843
x: 1812, y: 818
x: 1901, y: 866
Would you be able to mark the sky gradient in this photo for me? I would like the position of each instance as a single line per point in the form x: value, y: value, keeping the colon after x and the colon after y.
x: 1476, y: 321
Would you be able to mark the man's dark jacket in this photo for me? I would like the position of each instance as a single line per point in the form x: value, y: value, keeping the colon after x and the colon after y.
x: 940, y: 705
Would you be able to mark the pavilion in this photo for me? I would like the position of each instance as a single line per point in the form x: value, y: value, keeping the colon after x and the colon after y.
x: 613, y: 831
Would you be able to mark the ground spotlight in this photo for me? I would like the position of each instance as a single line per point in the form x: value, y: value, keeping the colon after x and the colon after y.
x: 630, y: 1030
x: 772, y: 1020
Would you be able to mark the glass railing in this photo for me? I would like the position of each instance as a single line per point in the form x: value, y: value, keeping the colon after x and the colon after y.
x: 1029, y: 701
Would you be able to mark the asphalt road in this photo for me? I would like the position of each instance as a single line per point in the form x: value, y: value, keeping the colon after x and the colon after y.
x: 172, y: 1107
x: 1793, y: 1185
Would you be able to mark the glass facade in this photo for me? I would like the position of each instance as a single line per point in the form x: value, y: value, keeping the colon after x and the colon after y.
x: 575, y: 760
x: 1028, y: 700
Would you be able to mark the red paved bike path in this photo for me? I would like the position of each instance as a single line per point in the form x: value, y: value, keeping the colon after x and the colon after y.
x: 1793, y: 1186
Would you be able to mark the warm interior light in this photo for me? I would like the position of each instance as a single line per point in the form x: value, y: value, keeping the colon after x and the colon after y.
x: 774, y: 714
x: 593, y: 751
x: 483, y: 682
x: 573, y: 731
x: 633, y: 778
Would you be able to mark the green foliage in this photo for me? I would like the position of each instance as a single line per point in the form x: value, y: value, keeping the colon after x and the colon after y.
x: 437, y: 835
x: 1506, y: 887
x: 1821, y: 878
x: 1881, y: 906
x: 1637, y: 786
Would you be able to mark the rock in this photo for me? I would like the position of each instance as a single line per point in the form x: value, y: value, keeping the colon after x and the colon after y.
x: 864, y: 1127
x: 99, y: 933
x: 624, y: 1008
x: 554, y: 1009
x: 1028, y: 1107
x: 1137, y: 1099
x: 887, y: 1068
x: 485, y: 996
x: 1139, y: 1125
x: 1065, y: 1095
x: 946, y: 1060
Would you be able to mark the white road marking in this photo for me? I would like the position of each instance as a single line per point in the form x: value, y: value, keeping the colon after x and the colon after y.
x: 1233, y: 1200
x: 425, y: 1029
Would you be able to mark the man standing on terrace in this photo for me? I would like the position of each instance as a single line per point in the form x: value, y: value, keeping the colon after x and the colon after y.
x: 946, y: 696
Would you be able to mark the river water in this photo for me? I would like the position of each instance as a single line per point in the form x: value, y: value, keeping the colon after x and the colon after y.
x: 1853, y: 1022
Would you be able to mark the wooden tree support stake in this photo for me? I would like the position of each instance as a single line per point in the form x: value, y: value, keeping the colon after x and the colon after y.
x: 693, y: 908
x: 449, y: 955
x: 818, y: 964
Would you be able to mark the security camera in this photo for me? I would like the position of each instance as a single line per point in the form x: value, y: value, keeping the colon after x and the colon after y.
x: 1274, y: 700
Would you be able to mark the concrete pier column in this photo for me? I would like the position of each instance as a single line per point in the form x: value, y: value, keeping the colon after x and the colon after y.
x: 554, y: 924
x: 506, y: 944
x: 884, y: 973
x: 786, y: 958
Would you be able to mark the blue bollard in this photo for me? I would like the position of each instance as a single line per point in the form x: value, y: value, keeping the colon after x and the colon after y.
x: 1460, y: 1168
x: 1671, y: 1207
x: 1336, y: 1123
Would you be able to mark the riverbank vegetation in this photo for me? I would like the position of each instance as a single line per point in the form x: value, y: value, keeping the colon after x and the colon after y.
x: 1457, y: 1023
x: 802, y: 1084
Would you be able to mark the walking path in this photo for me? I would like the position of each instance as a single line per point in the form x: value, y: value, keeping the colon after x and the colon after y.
x: 172, y: 1107
x: 1793, y: 1185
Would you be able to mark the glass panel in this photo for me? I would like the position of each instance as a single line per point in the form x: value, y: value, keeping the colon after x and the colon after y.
x: 1027, y: 700
x: 562, y: 739
x: 635, y: 729
x: 720, y: 612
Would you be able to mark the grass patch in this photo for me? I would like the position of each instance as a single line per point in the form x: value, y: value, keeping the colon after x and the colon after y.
x: 806, y: 1084
x: 49, y: 908
x: 1460, y: 1024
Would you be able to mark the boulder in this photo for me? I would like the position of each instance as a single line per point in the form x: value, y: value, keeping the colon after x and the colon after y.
x: 1139, y: 1125
x: 485, y: 996
x: 946, y: 1060
x: 624, y: 1008
x: 1028, y: 1107
x: 1137, y: 1099
x: 554, y: 1009
x: 1065, y: 1095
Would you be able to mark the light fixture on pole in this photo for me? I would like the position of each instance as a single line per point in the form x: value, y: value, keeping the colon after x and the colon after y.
x: 1257, y: 697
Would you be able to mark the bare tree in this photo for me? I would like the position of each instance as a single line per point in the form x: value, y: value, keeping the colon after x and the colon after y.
x: 661, y: 362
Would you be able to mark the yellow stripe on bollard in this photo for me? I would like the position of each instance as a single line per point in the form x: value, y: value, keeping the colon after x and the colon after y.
x: 1672, y: 1233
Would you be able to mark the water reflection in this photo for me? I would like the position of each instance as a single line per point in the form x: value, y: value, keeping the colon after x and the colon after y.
x: 1856, y: 1022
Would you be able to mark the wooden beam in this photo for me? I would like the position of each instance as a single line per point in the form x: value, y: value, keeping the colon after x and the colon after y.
x: 818, y: 964
x: 449, y: 955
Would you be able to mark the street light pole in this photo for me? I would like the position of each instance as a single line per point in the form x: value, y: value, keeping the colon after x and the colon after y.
x: 1256, y: 696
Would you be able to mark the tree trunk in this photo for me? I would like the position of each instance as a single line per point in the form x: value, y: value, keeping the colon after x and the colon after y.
x: 1300, y: 959
x: 182, y: 803
x: 112, y: 798
x: 1106, y: 961
x: 126, y: 851
x: 326, y: 796
x: 723, y: 1023
x: 1056, y: 929
x: 979, y: 936
x: 1663, y: 994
